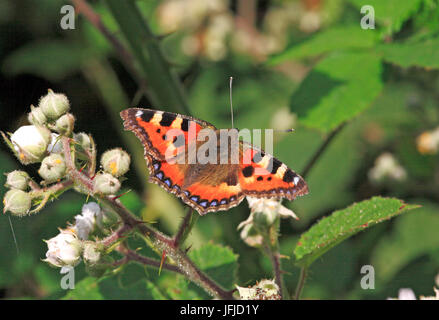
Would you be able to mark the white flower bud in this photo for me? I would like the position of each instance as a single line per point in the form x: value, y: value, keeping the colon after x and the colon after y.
x: 17, y: 180
x: 36, y: 116
x: 115, y: 162
x: 64, y: 125
x: 83, y: 140
x: 30, y: 143
x: 17, y: 202
x: 52, y: 168
x: 91, y: 215
x: 265, y: 211
x: 264, y: 290
x: 92, y: 252
x: 54, y: 105
x: 64, y: 249
x: 105, y: 183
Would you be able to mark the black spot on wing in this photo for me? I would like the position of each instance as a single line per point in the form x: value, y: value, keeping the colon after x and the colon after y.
x: 248, y: 171
x: 147, y: 115
x: 274, y: 165
x: 185, y: 125
x: 167, y: 119
x: 288, y: 176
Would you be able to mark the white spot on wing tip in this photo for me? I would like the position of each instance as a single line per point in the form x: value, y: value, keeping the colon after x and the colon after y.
x: 296, y: 180
x: 139, y: 113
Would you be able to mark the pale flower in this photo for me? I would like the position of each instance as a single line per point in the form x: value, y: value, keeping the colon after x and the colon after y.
x: 386, y: 166
x: 64, y: 249
x: 30, y: 143
x: 91, y: 215
x: 263, y: 290
x: 269, y: 205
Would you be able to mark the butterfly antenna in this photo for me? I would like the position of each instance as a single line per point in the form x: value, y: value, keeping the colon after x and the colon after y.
x: 284, y: 131
x: 231, y: 102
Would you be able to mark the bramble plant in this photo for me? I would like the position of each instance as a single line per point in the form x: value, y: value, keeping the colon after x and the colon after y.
x: 360, y: 93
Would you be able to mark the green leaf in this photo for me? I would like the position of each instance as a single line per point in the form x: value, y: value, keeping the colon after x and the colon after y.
x: 52, y: 60
x: 342, y: 224
x: 86, y: 289
x: 338, y: 38
x: 218, y: 262
x: 421, y: 54
x: 337, y: 89
x: 391, y: 14
x: 411, y: 237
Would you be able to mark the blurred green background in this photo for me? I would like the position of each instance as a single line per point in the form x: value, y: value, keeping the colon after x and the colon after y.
x: 305, y: 64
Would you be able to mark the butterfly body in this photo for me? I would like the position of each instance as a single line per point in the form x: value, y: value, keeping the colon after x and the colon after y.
x: 235, y: 169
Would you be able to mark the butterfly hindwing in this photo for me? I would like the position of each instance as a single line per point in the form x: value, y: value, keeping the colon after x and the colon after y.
x: 206, y: 193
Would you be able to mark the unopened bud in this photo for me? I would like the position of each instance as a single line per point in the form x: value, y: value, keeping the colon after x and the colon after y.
x: 54, y: 105
x: 17, y: 202
x: 30, y: 143
x: 36, y: 116
x: 64, y: 125
x: 105, y: 183
x: 116, y: 162
x: 92, y: 252
x: 83, y: 140
x: 52, y: 168
x: 17, y: 180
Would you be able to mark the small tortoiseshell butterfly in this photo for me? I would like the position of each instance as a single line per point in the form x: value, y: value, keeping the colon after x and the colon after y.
x: 207, y: 187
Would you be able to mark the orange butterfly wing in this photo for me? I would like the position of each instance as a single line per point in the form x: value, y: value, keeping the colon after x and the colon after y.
x: 263, y: 176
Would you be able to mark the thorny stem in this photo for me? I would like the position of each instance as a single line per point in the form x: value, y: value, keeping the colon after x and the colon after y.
x: 161, y: 241
x: 131, y: 255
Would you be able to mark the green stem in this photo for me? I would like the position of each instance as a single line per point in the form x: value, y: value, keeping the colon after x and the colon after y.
x: 301, y: 283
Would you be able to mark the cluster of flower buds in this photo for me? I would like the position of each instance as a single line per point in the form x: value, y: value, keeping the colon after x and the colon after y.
x: 72, y: 244
x: 263, y: 290
x: 40, y: 142
x: 265, y: 212
x: 36, y: 143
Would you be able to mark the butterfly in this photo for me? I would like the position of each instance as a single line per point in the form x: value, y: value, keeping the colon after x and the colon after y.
x: 207, y: 187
